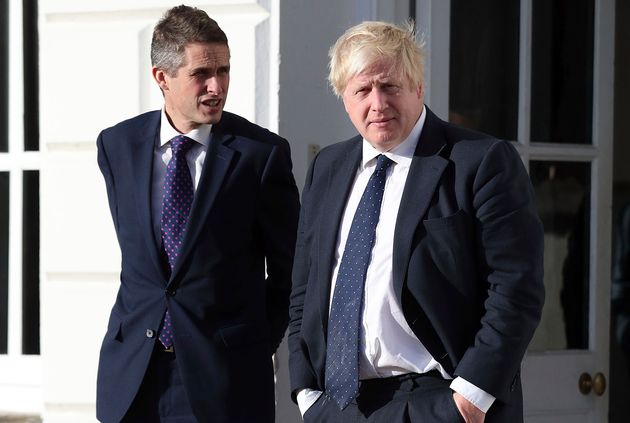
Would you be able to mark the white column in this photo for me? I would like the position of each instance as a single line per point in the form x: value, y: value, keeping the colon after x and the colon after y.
x: 434, y: 24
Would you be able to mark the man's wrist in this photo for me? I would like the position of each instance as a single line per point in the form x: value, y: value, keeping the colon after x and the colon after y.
x: 475, y: 395
x: 306, y: 398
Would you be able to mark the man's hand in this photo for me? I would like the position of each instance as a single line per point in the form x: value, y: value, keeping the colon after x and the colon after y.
x: 467, y: 409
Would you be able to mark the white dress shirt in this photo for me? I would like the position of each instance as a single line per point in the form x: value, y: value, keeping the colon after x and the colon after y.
x: 388, y: 345
x: 162, y: 154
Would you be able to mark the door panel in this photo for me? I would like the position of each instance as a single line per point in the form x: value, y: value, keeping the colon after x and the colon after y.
x: 562, y: 71
x: 562, y: 193
x: 484, y: 47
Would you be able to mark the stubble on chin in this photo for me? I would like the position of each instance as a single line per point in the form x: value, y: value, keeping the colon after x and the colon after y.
x: 383, y: 142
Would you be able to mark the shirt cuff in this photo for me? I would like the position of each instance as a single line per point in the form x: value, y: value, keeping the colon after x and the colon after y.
x: 480, y: 398
x: 306, y: 398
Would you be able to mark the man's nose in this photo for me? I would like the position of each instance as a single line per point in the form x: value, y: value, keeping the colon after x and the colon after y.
x: 378, y: 100
x: 213, y: 85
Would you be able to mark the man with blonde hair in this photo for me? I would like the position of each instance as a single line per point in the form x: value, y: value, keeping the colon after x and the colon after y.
x: 417, y: 281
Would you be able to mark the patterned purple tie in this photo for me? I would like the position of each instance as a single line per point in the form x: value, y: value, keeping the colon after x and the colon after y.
x: 178, y: 197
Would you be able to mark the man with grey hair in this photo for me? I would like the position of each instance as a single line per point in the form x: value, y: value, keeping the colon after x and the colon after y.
x: 205, y: 208
x: 417, y: 281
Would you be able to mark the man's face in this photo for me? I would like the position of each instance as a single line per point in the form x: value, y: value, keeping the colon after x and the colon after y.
x: 383, y: 105
x: 197, y: 92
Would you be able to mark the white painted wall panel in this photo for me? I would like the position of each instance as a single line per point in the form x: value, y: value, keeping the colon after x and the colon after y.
x: 75, y: 309
x: 77, y: 231
x: 89, y: 78
x: 74, y: 6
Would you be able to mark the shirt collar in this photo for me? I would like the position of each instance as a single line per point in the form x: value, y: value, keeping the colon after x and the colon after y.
x: 167, y: 132
x: 403, y: 152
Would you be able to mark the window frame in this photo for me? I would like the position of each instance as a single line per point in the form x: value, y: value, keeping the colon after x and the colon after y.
x: 20, y: 375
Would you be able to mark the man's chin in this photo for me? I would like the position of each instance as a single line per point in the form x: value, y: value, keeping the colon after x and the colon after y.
x: 383, y: 142
x: 212, y: 118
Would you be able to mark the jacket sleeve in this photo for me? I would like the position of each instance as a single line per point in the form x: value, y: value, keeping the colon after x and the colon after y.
x: 301, y: 373
x: 278, y: 220
x: 509, y: 243
x: 103, y: 164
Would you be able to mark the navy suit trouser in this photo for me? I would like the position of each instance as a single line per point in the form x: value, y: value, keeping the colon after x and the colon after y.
x: 162, y: 397
x: 411, y: 398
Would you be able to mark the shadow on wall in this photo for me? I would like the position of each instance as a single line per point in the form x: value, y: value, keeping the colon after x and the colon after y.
x: 12, y: 418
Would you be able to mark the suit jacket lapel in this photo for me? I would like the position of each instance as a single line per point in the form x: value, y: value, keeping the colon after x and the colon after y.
x: 142, y: 150
x: 215, y: 168
x: 341, y: 175
x: 424, y: 175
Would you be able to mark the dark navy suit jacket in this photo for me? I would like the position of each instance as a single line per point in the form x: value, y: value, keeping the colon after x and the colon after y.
x: 228, y: 317
x: 467, y: 259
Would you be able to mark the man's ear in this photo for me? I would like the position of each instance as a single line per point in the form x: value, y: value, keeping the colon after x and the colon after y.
x: 343, y: 100
x: 160, y: 77
x: 420, y: 90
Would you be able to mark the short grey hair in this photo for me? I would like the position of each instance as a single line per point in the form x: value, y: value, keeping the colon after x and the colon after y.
x: 179, y: 27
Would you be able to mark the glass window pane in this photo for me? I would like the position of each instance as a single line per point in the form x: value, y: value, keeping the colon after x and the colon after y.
x: 4, y: 76
x: 620, y: 303
x: 31, y: 79
x: 562, y: 192
x: 562, y: 71
x: 484, y: 61
x: 30, y: 263
x: 4, y: 260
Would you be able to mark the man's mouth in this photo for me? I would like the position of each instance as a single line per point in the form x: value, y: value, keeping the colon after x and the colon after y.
x: 212, y: 102
x: 382, y: 121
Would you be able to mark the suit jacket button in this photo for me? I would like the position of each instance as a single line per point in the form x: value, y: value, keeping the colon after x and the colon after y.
x: 170, y: 292
x: 150, y: 333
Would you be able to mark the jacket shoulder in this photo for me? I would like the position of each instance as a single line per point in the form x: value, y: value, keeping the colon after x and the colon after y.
x: 238, y: 126
x: 453, y: 134
x: 134, y: 123
x: 339, y: 149
x: 466, y: 144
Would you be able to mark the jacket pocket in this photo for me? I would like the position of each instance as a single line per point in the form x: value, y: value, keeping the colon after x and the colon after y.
x: 456, y: 221
x: 450, y: 243
x: 114, y: 328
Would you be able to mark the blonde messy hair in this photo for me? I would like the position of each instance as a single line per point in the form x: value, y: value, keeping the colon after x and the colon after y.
x: 369, y: 42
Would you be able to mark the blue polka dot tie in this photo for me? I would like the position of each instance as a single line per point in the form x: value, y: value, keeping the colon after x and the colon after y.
x: 342, y: 351
x: 178, y: 197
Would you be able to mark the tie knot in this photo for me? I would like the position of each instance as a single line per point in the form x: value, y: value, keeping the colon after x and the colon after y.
x: 382, y: 163
x: 181, y: 144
